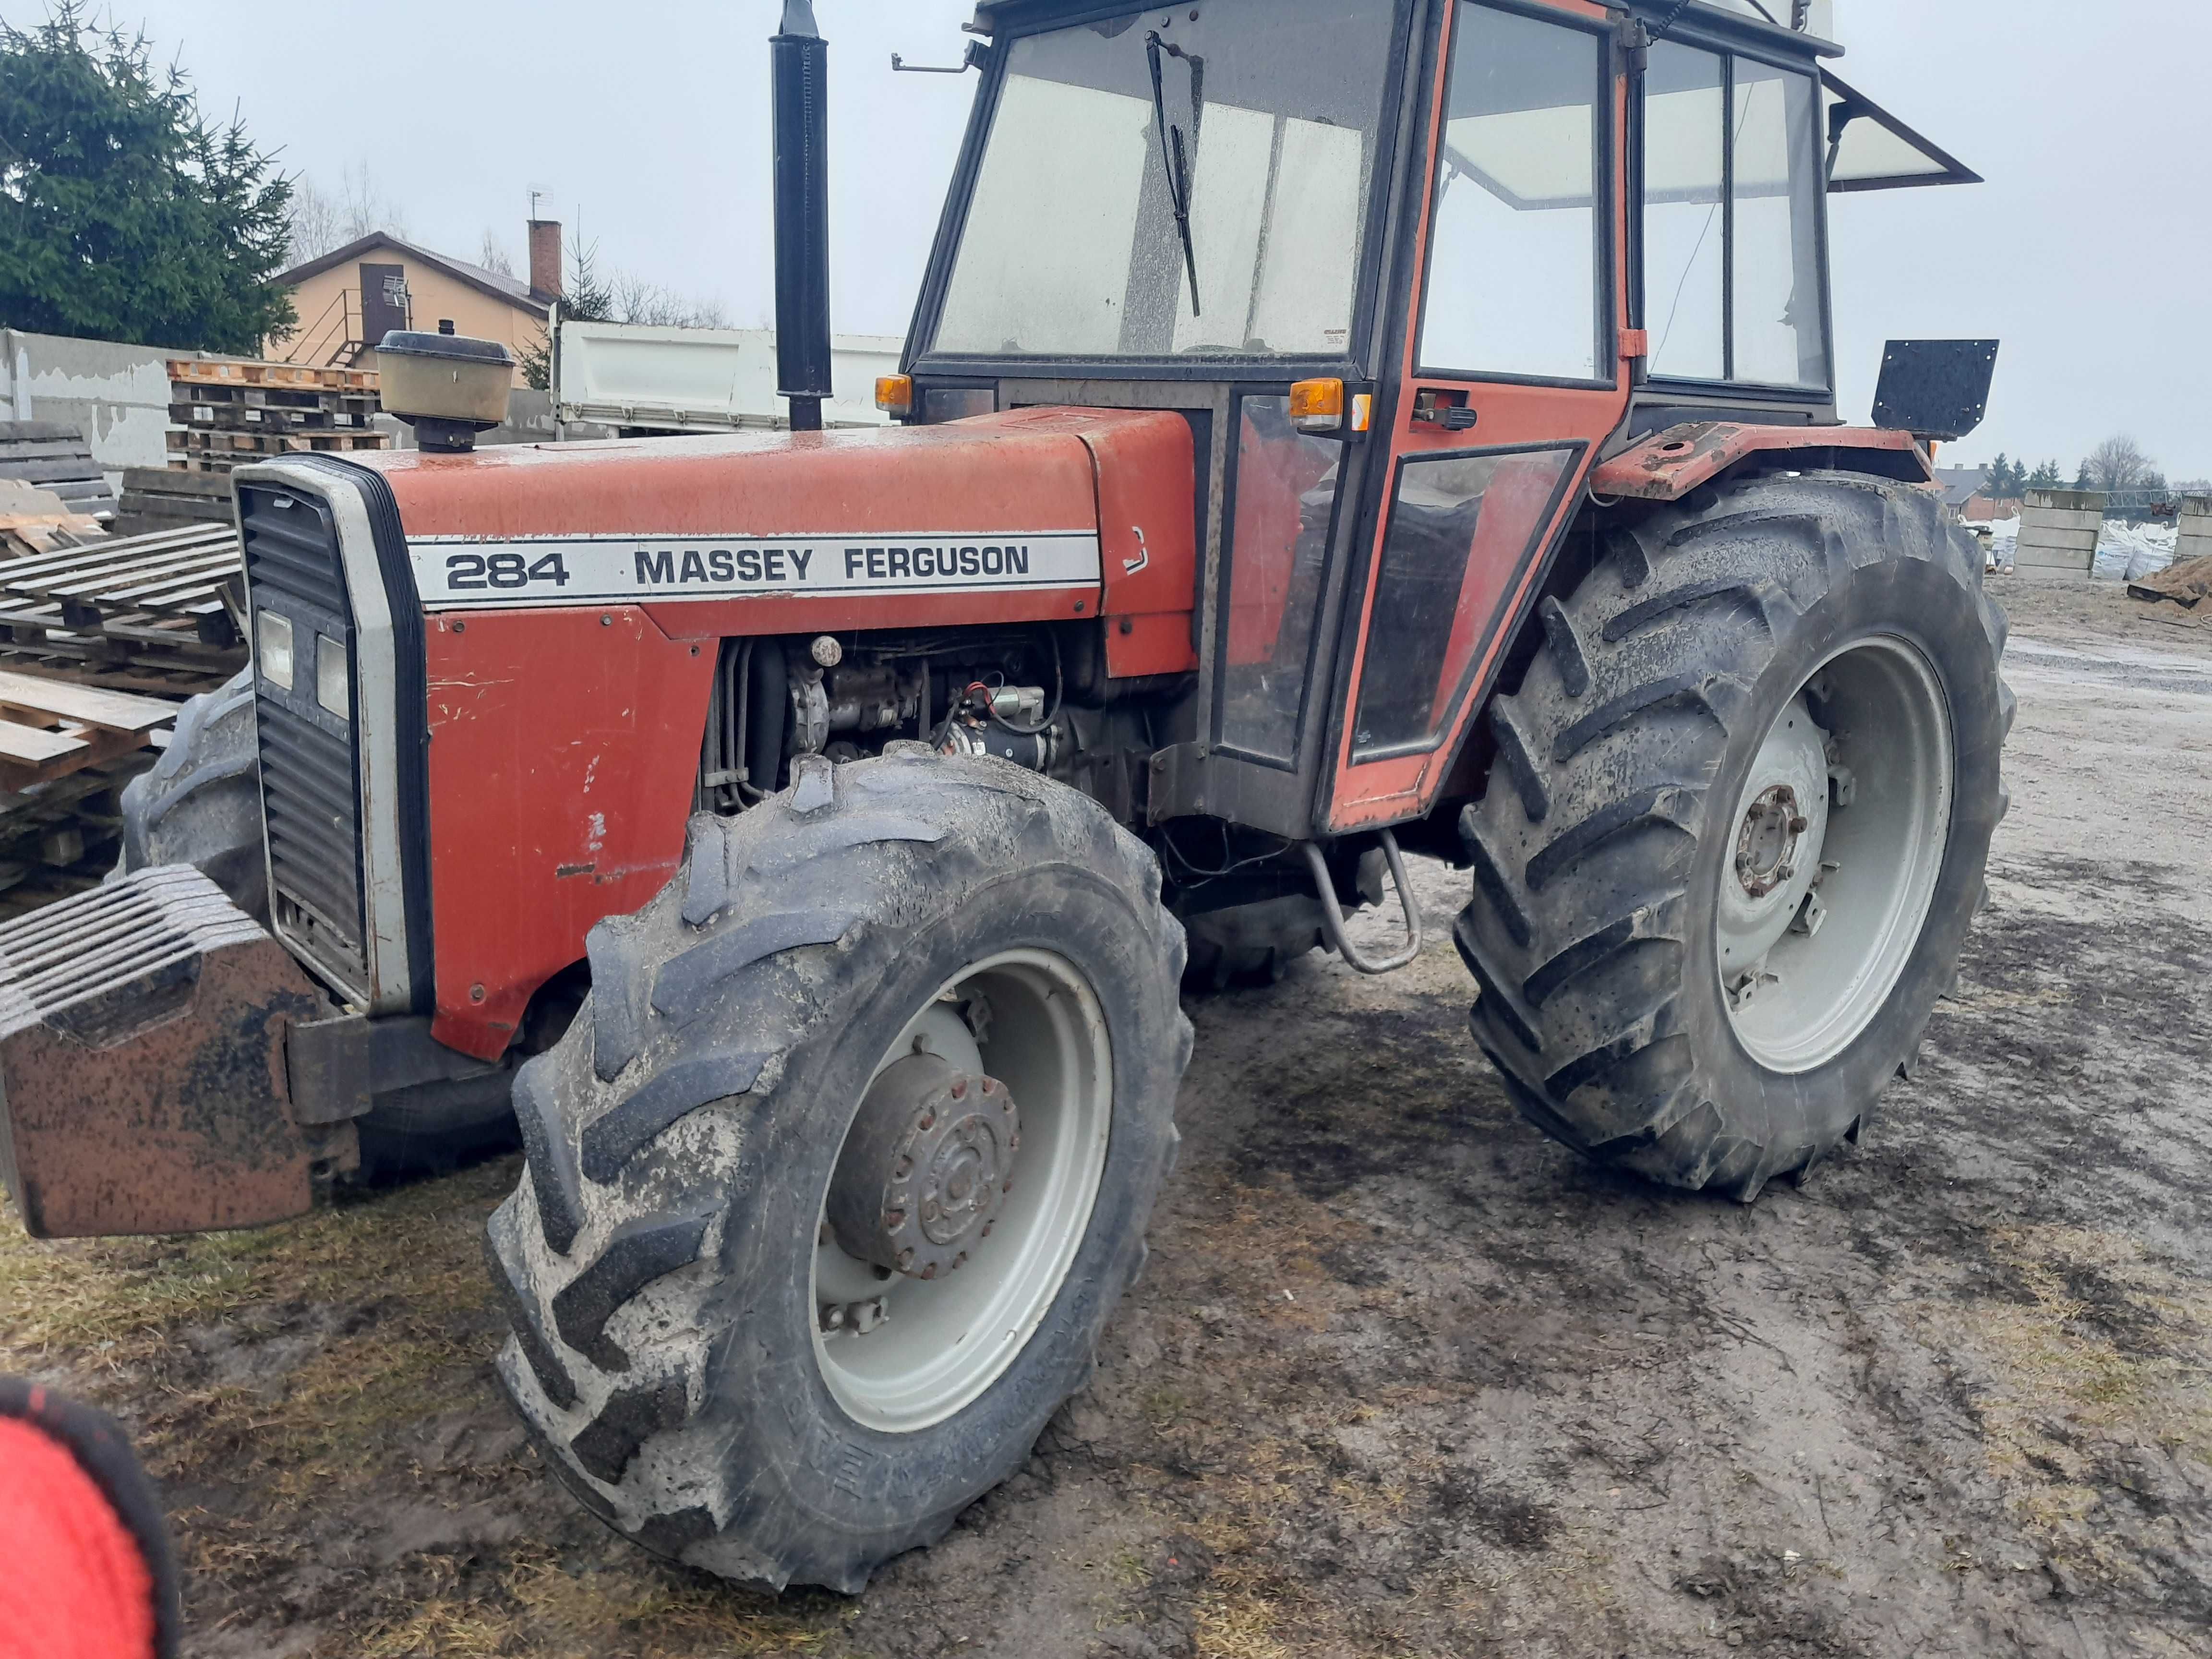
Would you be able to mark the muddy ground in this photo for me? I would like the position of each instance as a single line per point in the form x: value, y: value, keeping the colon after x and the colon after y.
x: 1403, y: 1377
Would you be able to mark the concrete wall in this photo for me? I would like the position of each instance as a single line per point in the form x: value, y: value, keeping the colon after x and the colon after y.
x: 328, y: 305
x: 117, y: 394
x: 2058, y: 532
x: 2195, y: 527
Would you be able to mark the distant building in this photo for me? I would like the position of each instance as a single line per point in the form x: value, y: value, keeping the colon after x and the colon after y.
x: 1966, y: 497
x: 348, y: 299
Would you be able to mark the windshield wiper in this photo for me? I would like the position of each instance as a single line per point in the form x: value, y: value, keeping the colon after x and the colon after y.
x: 1176, y: 163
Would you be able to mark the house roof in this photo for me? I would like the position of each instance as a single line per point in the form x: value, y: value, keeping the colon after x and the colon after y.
x: 1961, y: 483
x: 510, y: 289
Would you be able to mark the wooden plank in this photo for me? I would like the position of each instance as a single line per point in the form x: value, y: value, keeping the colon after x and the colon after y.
x: 89, y: 552
x: 170, y: 479
x: 40, y: 472
x: 45, y: 449
x: 110, y: 711
x: 139, y: 503
x: 40, y: 432
x: 119, y: 581
x: 27, y: 745
x: 96, y: 562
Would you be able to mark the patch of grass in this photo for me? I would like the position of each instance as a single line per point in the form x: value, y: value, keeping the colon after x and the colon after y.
x: 640, y: 1607
x: 2059, y: 1395
x: 121, y: 1299
x: 1240, y: 1626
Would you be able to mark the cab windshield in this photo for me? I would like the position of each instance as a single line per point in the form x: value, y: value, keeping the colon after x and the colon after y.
x: 1249, y: 125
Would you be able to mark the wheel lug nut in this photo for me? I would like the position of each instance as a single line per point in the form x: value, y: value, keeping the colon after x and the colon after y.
x: 905, y: 1259
x: 987, y: 1225
x: 928, y: 1120
x: 957, y: 1260
x: 1799, y: 825
x: 960, y: 1090
x: 930, y: 1271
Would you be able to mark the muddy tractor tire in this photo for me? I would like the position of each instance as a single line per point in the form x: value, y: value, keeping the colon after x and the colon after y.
x: 1735, y: 829
x: 201, y: 802
x: 834, y: 1182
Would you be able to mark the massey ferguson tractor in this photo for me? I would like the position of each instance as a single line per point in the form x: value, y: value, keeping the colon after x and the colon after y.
x: 1329, y: 428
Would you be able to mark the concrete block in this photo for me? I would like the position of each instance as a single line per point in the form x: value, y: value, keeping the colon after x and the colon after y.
x: 2058, y: 532
x: 2195, y: 527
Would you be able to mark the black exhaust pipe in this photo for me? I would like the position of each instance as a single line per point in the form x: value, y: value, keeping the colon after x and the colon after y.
x: 800, y: 62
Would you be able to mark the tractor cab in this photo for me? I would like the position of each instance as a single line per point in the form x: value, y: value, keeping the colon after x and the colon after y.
x: 1410, y: 269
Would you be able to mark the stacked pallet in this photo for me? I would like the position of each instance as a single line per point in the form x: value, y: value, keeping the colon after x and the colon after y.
x: 48, y: 455
x: 230, y: 411
x: 156, y: 613
x: 162, y: 492
x: 66, y: 753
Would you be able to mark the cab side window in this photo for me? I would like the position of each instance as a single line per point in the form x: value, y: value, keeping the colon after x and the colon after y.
x: 1514, y: 277
x: 1732, y: 186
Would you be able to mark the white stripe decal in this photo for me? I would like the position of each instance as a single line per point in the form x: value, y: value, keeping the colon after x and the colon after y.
x: 454, y: 571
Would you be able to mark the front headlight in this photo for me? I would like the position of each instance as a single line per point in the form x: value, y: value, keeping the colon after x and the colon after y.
x: 272, y: 644
x: 332, y: 689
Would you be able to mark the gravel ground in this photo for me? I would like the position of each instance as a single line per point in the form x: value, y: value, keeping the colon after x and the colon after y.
x: 1403, y: 1377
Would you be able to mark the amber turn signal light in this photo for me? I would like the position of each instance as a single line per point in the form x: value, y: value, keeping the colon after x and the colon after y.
x: 895, y: 393
x: 1317, y: 405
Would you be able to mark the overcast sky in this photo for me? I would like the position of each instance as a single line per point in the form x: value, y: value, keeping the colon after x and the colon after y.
x: 646, y: 126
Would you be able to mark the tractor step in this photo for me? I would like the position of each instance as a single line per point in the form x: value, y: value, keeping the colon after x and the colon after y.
x: 143, y: 1076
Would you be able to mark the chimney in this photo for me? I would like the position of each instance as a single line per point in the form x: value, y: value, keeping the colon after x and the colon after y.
x: 544, y: 259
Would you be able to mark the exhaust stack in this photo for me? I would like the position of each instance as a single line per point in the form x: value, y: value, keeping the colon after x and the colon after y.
x: 799, y: 64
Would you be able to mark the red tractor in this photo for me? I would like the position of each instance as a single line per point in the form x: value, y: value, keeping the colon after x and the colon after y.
x: 1328, y: 426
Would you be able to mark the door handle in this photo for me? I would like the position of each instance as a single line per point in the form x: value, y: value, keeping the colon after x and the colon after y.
x: 1448, y: 409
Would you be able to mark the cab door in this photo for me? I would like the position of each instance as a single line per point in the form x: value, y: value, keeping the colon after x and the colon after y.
x: 1510, y: 374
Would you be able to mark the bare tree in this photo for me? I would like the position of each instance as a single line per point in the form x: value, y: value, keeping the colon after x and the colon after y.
x: 2118, y: 463
x: 321, y: 221
x: 314, y: 221
x: 634, y: 299
x: 492, y: 256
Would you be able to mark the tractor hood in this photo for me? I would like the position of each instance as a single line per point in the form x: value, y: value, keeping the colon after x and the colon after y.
x: 784, y: 531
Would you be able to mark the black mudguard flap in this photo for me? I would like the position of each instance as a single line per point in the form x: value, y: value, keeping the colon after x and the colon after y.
x: 143, y: 1085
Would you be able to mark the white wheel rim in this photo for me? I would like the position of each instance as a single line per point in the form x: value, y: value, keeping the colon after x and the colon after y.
x: 941, y: 1344
x: 1802, y: 980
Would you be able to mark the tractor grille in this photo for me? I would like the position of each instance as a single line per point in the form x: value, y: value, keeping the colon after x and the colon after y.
x: 310, y: 756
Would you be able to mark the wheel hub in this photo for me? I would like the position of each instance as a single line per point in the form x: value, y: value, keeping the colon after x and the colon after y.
x: 926, y: 1167
x: 1766, y: 846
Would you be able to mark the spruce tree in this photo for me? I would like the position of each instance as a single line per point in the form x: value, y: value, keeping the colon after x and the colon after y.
x: 124, y: 214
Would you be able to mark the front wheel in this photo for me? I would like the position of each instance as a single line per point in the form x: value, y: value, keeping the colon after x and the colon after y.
x: 1736, y: 827
x: 836, y: 1179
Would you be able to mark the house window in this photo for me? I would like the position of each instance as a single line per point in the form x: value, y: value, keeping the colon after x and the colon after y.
x: 1732, y: 186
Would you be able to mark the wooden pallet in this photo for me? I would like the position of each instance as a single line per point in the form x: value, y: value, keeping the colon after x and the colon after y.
x: 49, y: 729
x: 53, y: 456
x: 237, y: 446
x: 174, y: 492
x: 61, y: 836
x: 242, y: 417
x: 251, y: 372
x: 170, y: 604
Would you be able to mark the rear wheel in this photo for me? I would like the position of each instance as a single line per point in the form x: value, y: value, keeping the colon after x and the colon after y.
x: 1736, y: 827
x: 836, y: 1179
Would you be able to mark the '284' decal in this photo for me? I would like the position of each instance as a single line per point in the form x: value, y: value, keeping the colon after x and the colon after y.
x: 483, y: 570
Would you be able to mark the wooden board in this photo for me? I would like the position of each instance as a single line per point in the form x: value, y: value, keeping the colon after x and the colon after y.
x: 30, y: 746
x: 109, y: 711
